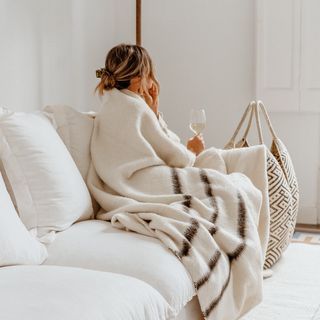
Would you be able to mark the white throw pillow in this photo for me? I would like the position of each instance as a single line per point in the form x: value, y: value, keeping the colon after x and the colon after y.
x: 49, y: 190
x: 75, y: 129
x: 17, y: 246
x: 7, y: 184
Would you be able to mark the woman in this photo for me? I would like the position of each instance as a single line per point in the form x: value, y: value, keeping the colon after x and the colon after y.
x: 147, y: 181
x: 139, y: 79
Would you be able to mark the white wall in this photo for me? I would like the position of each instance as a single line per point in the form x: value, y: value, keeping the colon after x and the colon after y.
x: 20, y: 54
x: 204, y: 55
x: 49, y: 51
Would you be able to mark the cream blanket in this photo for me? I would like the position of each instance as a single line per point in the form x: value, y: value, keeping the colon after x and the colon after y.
x: 145, y: 181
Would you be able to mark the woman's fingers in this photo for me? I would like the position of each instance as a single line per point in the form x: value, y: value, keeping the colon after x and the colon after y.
x: 200, y: 138
x: 196, y: 144
x: 148, y: 98
x: 154, y: 91
x: 155, y: 88
x: 152, y: 101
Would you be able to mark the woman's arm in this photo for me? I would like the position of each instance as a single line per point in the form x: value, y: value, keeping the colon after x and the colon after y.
x: 172, y: 152
x: 151, y: 96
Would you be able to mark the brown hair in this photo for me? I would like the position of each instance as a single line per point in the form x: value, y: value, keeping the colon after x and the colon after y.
x: 123, y: 63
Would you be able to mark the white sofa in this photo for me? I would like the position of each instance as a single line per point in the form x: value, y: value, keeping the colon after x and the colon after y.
x: 90, y: 270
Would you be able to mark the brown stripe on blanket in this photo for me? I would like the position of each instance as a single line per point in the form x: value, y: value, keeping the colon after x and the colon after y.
x: 237, y: 252
x: 242, y: 217
x: 208, y: 190
x: 187, y: 201
x: 177, y: 188
x: 215, y: 301
x: 212, y: 263
x: 213, y: 230
x: 189, y: 234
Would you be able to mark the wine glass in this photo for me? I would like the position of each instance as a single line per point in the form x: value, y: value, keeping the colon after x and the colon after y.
x: 197, y: 120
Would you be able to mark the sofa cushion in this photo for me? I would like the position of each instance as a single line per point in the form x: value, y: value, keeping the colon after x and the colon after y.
x: 97, y: 245
x: 75, y: 129
x: 52, y: 293
x: 48, y: 188
x: 17, y: 246
x: 7, y: 184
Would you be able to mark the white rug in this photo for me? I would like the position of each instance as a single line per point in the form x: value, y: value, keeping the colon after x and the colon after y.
x: 306, y: 237
x: 293, y: 292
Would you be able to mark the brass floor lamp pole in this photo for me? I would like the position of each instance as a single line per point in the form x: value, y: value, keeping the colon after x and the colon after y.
x: 138, y: 22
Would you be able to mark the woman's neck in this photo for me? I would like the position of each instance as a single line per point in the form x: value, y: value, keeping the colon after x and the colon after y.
x: 134, y: 87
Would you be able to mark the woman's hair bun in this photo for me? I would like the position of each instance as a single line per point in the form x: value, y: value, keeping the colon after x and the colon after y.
x: 108, y: 79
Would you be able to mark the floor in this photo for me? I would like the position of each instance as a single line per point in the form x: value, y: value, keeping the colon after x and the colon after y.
x: 293, y: 292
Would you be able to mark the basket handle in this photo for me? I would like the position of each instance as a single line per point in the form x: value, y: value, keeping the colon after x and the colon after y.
x: 257, y: 108
x: 261, y: 107
x: 248, y: 112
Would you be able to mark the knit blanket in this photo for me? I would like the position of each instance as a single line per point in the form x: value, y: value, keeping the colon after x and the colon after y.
x: 146, y: 182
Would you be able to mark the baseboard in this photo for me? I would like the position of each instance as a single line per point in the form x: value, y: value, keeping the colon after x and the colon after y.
x: 308, y: 215
x: 310, y: 228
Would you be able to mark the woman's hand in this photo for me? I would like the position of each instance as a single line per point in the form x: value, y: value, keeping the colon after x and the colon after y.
x: 196, y: 144
x: 151, y: 96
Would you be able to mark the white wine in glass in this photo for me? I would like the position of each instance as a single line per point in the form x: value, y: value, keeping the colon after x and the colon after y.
x: 197, y: 120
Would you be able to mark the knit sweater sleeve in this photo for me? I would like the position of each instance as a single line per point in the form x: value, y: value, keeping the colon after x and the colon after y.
x: 172, y: 152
